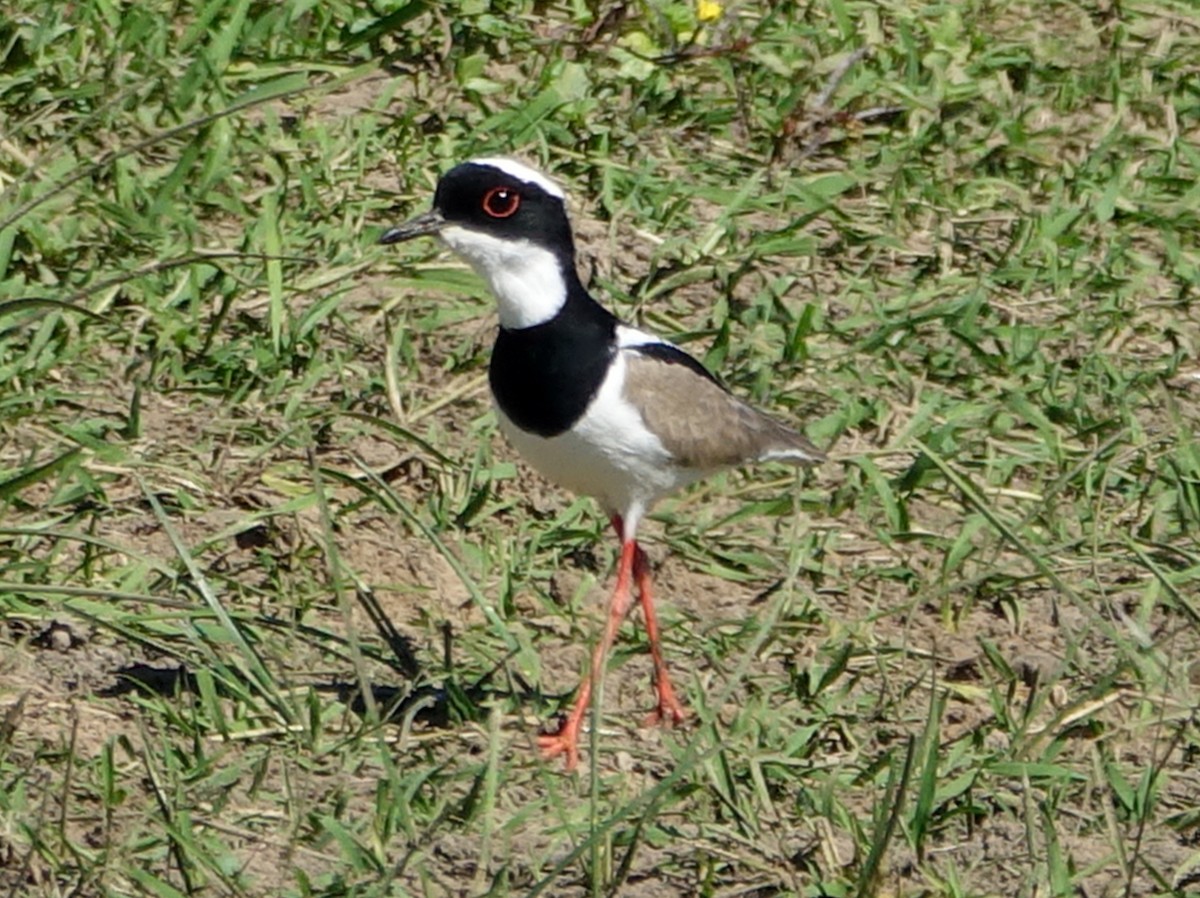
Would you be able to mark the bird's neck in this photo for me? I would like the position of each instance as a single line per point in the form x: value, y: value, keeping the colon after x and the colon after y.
x: 528, y: 294
x: 530, y: 283
x: 532, y: 287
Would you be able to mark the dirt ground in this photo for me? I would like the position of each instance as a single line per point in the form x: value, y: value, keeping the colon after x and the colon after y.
x: 65, y: 683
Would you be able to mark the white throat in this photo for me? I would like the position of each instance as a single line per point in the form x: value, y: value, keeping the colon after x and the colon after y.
x: 527, y: 280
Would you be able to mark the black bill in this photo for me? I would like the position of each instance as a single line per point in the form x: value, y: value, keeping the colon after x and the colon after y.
x: 426, y: 223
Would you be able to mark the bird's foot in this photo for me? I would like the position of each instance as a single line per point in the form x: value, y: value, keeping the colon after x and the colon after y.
x: 670, y: 711
x: 564, y: 742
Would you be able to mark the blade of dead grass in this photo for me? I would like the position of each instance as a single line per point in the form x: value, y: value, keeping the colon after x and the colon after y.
x: 252, y: 663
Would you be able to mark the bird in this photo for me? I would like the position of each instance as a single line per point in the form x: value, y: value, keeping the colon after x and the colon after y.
x: 597, y: 406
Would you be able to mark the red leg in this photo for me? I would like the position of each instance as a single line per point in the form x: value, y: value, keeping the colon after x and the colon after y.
x: 566, y: 740
x: 670, y: 710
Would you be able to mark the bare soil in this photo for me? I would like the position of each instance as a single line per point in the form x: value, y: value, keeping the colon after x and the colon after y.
x: 64, y: 682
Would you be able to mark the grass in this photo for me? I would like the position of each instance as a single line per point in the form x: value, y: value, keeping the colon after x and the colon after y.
x: 280, y: 613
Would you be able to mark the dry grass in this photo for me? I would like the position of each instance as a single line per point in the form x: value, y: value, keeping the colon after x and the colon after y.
x: 281, y: 614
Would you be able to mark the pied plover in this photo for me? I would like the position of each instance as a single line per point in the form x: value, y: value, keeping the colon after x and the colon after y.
x: 598, y: 407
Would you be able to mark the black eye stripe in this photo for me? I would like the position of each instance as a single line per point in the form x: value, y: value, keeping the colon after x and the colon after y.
x: 501, y: 202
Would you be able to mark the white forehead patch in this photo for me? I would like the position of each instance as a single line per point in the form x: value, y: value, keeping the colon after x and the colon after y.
x: 521, y: 172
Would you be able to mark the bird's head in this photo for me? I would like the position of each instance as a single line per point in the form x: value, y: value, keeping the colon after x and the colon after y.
x: 509, y: 222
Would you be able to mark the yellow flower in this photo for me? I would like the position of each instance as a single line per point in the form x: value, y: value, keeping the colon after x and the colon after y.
x: 708, y: 10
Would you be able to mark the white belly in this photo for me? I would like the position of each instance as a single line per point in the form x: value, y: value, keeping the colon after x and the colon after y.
x: 608, y: 454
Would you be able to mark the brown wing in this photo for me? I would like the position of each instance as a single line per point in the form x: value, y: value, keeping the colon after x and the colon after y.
x: 701, y: 423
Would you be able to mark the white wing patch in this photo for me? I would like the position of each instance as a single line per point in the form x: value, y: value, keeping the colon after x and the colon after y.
x: 630, y: 338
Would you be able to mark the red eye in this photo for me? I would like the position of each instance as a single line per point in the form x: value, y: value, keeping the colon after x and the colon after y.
x: 501, y: 202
